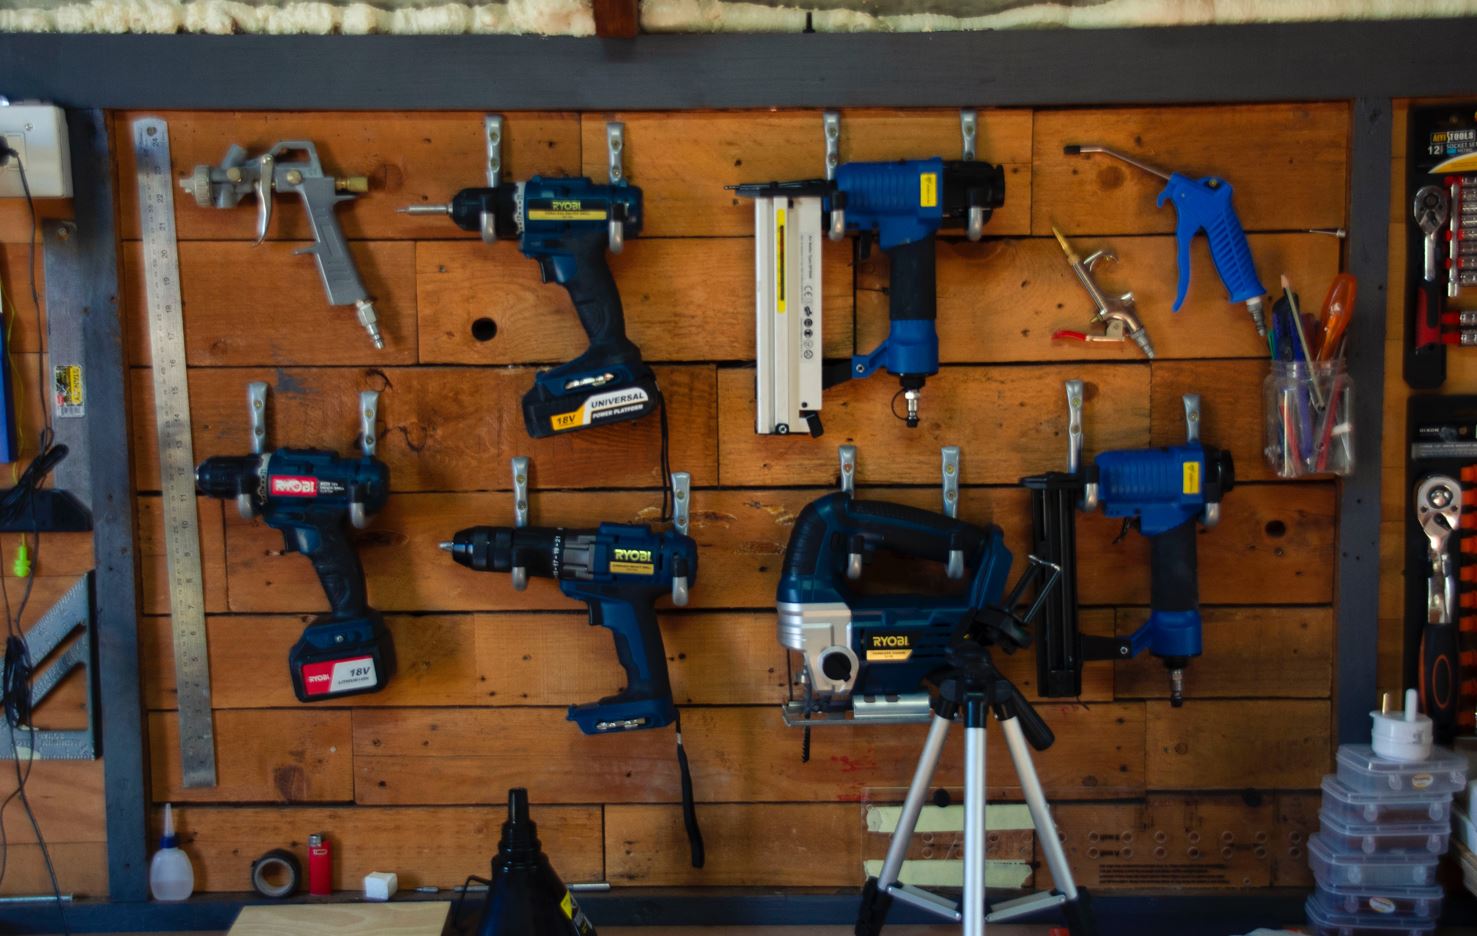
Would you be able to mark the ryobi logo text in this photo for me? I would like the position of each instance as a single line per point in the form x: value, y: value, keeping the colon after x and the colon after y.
x: 890, y: 648
x: 632, y: 555
x: 294, y: 486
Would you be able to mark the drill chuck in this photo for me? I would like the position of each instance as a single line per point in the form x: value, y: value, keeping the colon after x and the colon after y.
x: 226, y: 476
x: 501, y: 548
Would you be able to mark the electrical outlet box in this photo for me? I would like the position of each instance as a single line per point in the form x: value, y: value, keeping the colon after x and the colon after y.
x: 39, y: 133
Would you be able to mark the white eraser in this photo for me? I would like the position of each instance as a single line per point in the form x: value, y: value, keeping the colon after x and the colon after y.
x: 380, y: 885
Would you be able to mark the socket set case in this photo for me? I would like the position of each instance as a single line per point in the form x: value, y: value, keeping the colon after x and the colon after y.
x: 1336, y: 868
x: 1431, y: 837
x: 1363, y: 771
x: 1351, y: 807
x: 1322, y: 923
x: 1421, y: 902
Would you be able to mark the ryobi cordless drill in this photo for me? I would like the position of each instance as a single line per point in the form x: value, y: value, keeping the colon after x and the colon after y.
x: 311, y: 496
x: 566, y: 225
x: 619, y: 571
x: 903, y: 205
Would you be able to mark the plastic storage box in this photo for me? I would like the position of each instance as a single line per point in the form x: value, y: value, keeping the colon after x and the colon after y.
x: 1422, y: 902
x: 1350, y: 924
x: 1336, y: 868
x: 1348, y: 805
x: 1363, y: 771
x: 1430, y: 837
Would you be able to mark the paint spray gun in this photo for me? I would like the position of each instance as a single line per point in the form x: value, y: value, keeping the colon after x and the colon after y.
x: 1203, y: 205
x: 277, y: 170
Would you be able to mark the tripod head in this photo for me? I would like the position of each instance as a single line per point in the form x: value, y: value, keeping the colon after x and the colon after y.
x: 971, y: 683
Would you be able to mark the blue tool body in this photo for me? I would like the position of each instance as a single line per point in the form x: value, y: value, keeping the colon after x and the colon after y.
x: 1205, y: 205
x: 895, y: 640
x: 900, y: 204
x: 1166, y: 491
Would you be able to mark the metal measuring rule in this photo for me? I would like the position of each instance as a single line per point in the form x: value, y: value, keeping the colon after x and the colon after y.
x: 176, y: 453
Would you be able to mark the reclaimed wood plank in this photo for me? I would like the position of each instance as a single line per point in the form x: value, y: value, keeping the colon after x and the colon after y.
x: 262, y: 756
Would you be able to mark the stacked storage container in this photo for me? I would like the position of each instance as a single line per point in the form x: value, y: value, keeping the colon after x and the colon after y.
x: 1383, y: 828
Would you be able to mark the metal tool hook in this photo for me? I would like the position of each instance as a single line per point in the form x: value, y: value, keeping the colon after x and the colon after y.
x: 681, y: 516
x: 520, y: 515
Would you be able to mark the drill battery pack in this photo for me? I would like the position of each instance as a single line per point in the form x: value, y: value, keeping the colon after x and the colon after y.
x: 625, y: 392
x: 342, y: 657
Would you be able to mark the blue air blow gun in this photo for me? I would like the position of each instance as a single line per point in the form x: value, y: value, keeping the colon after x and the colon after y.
x: 1203, y: 205
x: 902, y: 205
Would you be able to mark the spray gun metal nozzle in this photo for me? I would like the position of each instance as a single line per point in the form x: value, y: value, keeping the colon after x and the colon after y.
x: 1077, y: 150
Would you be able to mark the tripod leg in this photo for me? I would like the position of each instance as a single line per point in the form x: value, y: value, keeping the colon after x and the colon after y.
x: 1079, y: 919
x: 876, y: 901
x: 972, y: 901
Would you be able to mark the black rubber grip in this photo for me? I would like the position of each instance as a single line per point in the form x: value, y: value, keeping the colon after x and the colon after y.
x: 912, y: 288
x: 1173, y: 582
x: 1438, y: 677
x: 593, y: 291
x: 338, y: 568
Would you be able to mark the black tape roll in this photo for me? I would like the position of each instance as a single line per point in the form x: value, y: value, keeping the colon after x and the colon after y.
x: 276, y: 858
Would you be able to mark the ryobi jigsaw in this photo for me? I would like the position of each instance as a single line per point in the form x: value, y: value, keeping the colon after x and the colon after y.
x: 866, y: 655
x: 566, y: 224
x: 901, y: 204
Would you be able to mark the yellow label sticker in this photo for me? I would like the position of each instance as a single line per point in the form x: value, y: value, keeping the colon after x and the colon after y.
x: 571, y: 420
x: 632, y: 568
x: 889, y: 656
x: 560, y: 214
x: 1192, y: 477
x: 779, y: 261
x: 928, y: 190
x: 567, y: 905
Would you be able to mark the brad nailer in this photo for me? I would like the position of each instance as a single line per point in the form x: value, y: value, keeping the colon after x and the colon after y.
x: 902, y: 205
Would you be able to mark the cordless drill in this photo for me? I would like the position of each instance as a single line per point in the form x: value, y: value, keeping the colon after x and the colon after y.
x: 619, y: 571
x: 903, y: 205
x: 566, y: 225
x: 311, y: 496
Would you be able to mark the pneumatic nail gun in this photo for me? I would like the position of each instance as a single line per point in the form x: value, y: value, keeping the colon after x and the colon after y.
x: 902, y: 205
x: 238, y: 176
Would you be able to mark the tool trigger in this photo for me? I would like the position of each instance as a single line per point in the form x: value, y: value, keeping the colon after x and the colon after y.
x: 1097, y: 256
x: 263, y: 187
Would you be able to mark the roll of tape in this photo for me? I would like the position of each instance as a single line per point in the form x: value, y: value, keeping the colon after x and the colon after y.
x: 276, y: 861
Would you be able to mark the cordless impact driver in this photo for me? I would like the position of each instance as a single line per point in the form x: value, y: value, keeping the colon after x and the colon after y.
x: 903, y: 205
x: 619, y: 571
x: 312, y: 496
x: 566, y: 224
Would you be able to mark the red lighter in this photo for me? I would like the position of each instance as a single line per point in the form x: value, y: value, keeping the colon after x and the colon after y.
x: 320, y: 865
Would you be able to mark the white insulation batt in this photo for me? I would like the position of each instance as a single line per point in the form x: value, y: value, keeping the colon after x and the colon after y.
x: 575, y: 18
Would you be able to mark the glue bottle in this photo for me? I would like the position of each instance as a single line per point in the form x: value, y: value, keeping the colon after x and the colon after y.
x: 171, y: 876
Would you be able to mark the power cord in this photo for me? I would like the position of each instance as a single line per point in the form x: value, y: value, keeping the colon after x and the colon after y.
x: 15, y: 681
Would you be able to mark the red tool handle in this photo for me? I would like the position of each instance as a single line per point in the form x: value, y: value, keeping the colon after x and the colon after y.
x: 1429, y: 302
x: 1438, y: 688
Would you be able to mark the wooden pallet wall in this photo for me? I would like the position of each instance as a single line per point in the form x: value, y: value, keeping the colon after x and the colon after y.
x: 1215, y: 793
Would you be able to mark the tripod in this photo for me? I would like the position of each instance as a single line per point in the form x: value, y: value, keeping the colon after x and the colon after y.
x: 972, y: 686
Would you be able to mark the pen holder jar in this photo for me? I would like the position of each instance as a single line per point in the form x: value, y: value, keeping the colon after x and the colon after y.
x: 1309, y: 412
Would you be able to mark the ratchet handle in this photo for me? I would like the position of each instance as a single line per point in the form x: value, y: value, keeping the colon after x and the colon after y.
x: 1430, y: 300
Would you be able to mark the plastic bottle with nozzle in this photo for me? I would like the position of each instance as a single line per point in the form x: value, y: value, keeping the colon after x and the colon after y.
x: 171, y: 876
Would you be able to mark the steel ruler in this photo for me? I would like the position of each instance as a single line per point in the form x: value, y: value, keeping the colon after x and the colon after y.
x: 176, y: 453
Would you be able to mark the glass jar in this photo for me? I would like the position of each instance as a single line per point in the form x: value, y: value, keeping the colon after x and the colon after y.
x: 1309, y: 414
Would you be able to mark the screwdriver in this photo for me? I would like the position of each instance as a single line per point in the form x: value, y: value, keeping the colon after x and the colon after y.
x: 1338, y: 307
